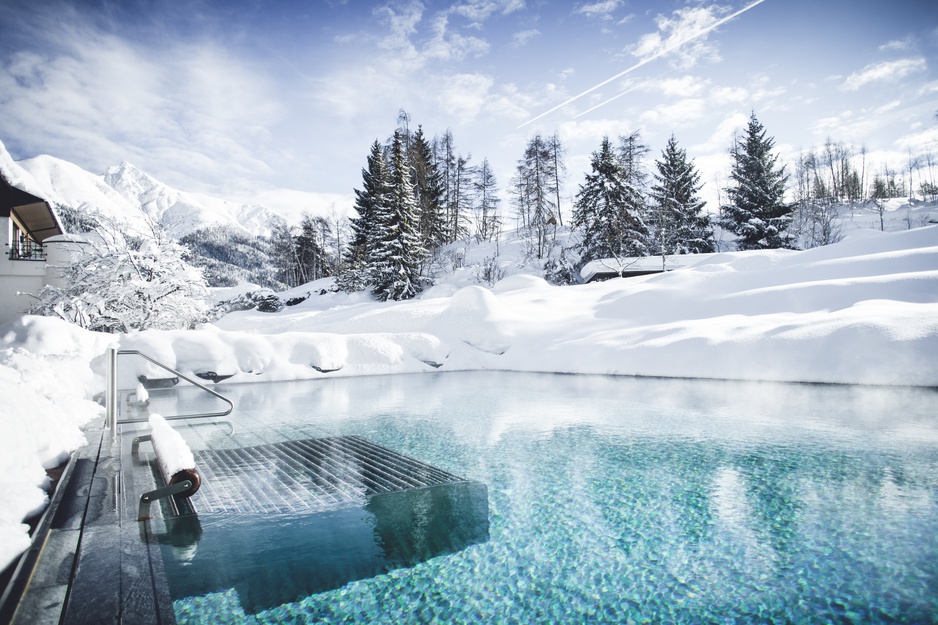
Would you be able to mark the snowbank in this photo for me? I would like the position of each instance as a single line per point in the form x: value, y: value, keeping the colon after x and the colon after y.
x: 864, y: 311
x: 45, y: 386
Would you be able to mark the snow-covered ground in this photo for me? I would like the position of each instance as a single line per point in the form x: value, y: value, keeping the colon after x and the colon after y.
x: 863, y: 311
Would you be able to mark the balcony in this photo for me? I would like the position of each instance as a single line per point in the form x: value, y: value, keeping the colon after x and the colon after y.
x: 24, y: 248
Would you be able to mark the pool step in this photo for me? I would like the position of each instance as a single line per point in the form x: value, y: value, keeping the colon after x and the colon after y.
x: 308, y: 475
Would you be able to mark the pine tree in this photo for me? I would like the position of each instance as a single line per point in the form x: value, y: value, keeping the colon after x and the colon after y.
x: 535, y: 189
x: 310, y: 248
x: 283, y: 254
x: 558, y: 170
x: 683, y: 226
x: 757, y: 213
x: 631, y: 154
x: 444, y: 156
x: 607, y: 209
x: 428, y: 192
x: 486, y: 193
x: 397, y: 253
x: 373, y: 194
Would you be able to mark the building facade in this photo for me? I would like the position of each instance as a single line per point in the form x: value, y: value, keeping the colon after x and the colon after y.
x: 29, y: 229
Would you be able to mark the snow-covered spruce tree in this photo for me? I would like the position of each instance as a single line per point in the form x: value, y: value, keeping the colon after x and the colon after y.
x: 757, y: 213
x: 608, y: 210
x: 119, y: 286
x: 397, y: 253
x: 428, y: 191
x: 356, y: 273
x: 683, y: 227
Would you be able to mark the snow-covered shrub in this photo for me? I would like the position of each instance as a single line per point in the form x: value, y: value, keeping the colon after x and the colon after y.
x: 269, y: 303
x: 264, y: 300
x: 489, y: 271
x: 118, y: 287
x: 561, y: 268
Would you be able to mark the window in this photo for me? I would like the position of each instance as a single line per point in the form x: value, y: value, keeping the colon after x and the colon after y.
x: 22, y: 247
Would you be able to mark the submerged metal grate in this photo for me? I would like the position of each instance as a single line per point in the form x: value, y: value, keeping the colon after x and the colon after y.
x: 306, y: 475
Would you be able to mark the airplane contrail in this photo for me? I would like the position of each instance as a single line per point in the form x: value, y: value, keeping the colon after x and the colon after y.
x: 654, y: 56
x: 603, y: 103
x: 616, y: 97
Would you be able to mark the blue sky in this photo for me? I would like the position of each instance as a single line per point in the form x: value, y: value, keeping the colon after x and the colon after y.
x: 278, y: 102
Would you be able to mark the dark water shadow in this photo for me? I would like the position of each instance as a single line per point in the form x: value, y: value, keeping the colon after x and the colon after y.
x: 271, y: 560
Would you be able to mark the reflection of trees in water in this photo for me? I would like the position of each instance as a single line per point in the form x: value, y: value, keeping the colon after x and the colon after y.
x: 771, y: 479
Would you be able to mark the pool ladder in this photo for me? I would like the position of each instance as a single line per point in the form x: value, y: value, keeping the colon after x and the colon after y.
x: 111, y: 396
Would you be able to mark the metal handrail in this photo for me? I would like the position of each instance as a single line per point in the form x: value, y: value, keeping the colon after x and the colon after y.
x: 111, y: 391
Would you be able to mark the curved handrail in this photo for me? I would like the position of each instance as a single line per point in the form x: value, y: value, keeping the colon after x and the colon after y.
x: 187, y: 379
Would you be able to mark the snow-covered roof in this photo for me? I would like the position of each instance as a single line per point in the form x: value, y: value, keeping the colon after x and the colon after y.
x: 32, y: 213
x: 603, y: 268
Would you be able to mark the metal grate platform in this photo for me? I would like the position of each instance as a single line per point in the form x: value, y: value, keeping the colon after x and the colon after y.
x: 306, y: 476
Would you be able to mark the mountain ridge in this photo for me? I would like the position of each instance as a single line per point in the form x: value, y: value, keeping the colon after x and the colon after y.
x: 133, y: 198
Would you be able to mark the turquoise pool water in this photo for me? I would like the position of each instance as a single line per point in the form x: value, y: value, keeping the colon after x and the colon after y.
x: 620, y: 500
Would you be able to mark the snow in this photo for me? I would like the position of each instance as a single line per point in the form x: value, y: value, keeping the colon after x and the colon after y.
x: 172, y: 451
x: 862, y: 311
x: 131, y: 198
x: 45, y: 386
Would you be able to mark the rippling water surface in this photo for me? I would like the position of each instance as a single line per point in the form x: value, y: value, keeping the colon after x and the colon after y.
x: 617, y: 500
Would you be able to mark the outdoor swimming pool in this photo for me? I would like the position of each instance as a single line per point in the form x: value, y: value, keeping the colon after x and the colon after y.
x: 609, y: 500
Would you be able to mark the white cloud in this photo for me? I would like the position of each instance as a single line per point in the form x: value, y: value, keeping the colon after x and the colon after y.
x: 592, y: 131
x: 889, y: 106
x: 689, y: 25
x: 898, y: 44
x: 929, y: 88
x: 600, y: 10
x: 478, y: 11
x: 722, y: 138
x: 685, y: 86
x: 729, y: 95
x: 401, y: 24
x: 887, y: 71
x: 921, y: 141
x: 452, y: 46
x: 291, y: 204
x: 761, y: 89
x: 512, y: 103
x: 96, y: 99
x: 519, y: 39
x: 682, y: 113
x: 465, y: 95
x: 417, y: 46
x: 854, y: 126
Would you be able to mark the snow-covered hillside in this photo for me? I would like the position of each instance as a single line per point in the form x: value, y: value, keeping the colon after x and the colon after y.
x: 864, y: 311
x: 131, y: 198
x: 180, y: 213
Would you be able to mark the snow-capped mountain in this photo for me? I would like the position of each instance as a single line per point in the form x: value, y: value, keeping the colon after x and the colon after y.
x: 133, y: 198
x: 180, y: 212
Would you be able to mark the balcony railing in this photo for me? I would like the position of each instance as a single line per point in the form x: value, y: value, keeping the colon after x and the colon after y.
x: 24, y: 248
